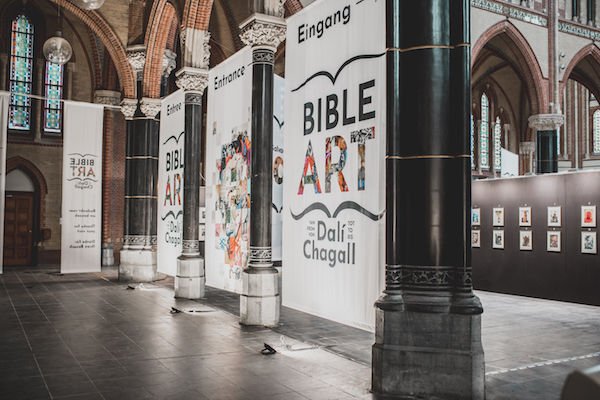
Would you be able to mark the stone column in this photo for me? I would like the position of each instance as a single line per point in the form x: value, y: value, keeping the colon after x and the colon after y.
x: 3, y: 71
x: 260, y: 301
x: 109, y: 98
x: 190, y: 278
x: 546, y: 127
x: 428, y: 322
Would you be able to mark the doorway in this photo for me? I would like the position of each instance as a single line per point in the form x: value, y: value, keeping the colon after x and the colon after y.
x: 18, y: 228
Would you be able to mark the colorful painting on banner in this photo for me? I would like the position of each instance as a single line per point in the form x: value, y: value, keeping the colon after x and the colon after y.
x: 228, y: 171
x: 278, y: 131
x: 333, y: 227
x: 171, y: 163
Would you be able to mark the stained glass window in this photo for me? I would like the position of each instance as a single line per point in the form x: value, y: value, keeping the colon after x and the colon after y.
x: 472, y: 144
x: 597, y: 132
x: 484, y: 133
x: 498, y: 144
x: 53, y: 94
x: 21, y: 71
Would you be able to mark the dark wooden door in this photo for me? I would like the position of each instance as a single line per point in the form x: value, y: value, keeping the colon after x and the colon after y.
x: 18, y: 228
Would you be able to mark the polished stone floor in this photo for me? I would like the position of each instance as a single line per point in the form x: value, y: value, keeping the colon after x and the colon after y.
x: 87, y: 336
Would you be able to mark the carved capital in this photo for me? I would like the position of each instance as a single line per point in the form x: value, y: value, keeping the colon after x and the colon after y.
x: 169, y: 62
x: 136, y: 55
x: 526, y: 148
x: 150, y: 107
x: 546, y: 122
x: 263, y: 30
x: 196, y: 48
x: 128, y: 107
x: 107, y: 97
x: 192, y: 79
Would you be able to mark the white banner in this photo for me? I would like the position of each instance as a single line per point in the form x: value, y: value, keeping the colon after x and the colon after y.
x: 278, y: 132
x: 3, y: 126
x: 333, y: 228
x: 170, y: 182
x: 228, y: 171
x: 81, y: 222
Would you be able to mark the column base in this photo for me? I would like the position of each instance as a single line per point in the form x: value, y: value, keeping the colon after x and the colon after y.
x: 108, y: 255
x: 260, y: 300
x: 428, y: 355
x: 190, y: 279
x: 138, y: 266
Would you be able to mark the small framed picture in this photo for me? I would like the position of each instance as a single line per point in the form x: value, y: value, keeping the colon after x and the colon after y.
x: 476, y: 216
x: 554, y: 216
x: 588, y: 216
x: 476, y: 239
x: 498, y: 216
x: 589, y: 244
x: 553, y: 244
x: 498, y: 239
x: 524, y: 216
x: 526, y: 240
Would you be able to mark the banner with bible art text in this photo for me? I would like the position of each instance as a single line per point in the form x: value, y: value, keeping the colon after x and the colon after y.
x: 81, y: 222
x: 334, y: 187
x: 170, y: 182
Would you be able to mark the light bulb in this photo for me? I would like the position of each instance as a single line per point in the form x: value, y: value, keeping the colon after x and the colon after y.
x: 57, y: 49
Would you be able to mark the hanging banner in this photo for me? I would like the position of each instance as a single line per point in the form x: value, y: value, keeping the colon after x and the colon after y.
x: 334, y: 186
x: 228, y: 139
x: 278, y: 129
x: 170, y: 182
x: 81, y: 222
x: 3, y: 126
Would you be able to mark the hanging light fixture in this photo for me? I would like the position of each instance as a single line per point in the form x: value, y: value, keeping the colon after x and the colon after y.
x: 57, y: 49
x: 90, y: 4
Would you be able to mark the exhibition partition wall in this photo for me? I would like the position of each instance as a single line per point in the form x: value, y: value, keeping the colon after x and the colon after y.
x: 537, y: 236
x: 3, y: 127
x: 334, y: 191
x: 278, y: 161
x: 170, y: 182
x: 81, y: 224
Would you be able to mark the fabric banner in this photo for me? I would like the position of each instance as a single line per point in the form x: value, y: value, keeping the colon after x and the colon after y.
x: 170, y: 182
x: 81, y: 222
x: 4, y: 99
x: 228, y: 139
x: 334, y: 199
x: 278, y: 131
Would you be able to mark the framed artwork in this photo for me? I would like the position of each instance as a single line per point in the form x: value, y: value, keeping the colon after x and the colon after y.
x: 476, y: 239
x: 476, y: 216
x: 553, y: 244
x: 526, y: 240
x: 524, y: 216
x: 554, y: 216
x: 498, y: 216
x: 589, y: 243
x: 588, y: 216
x: 498, y: 239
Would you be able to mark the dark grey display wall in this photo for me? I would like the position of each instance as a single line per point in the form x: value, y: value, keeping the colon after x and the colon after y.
x: 568, y: 275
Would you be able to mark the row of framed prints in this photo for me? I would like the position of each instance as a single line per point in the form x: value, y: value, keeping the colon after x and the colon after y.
x: 589, y: 242
x: 588, y: 216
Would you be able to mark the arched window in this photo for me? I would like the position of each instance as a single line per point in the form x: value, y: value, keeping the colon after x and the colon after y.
x: 498, y: 144
x: 484, y: 133
x: 472, y: 143
x: 21, y: 72
x: 596, y: 128
x: 53, y: 93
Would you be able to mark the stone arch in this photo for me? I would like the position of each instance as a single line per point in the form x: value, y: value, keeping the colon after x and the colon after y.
x: 592, y: 51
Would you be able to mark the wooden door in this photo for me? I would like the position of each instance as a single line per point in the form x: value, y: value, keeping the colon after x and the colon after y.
x: 18, y: 228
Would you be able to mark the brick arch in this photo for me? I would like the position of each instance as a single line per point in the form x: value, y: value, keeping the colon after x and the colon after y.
x: 162, y: 16
x: 293, y: 6
x: 110, y: 40
x: 589, y: 50
x: 527, y: 62
x: 196, y: 14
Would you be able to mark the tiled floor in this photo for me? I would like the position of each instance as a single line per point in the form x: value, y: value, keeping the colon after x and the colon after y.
x: 82, y: 337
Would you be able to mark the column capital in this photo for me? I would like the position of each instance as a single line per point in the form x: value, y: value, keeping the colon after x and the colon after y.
x: 263, y: 30
x: 195, y: 44
x: 192, y: 79
x: 526, y: 148
x: 546, y: 122
x: 128, y: 107
x: 107, y: 97
x: 136, y: 55
x: 169, y: 62
x: 150, y: 107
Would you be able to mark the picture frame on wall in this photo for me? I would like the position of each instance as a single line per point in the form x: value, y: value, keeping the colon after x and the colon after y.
x: 476, y: 216
x: 554, y: 241
x: 588, y: 216
x: 476, y: 238
x: 589, y: 243
x: 498, y: 239
x: 526, y: 240
x: 498, y: 216
x: 524, y: 216
x: 554, y: 216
